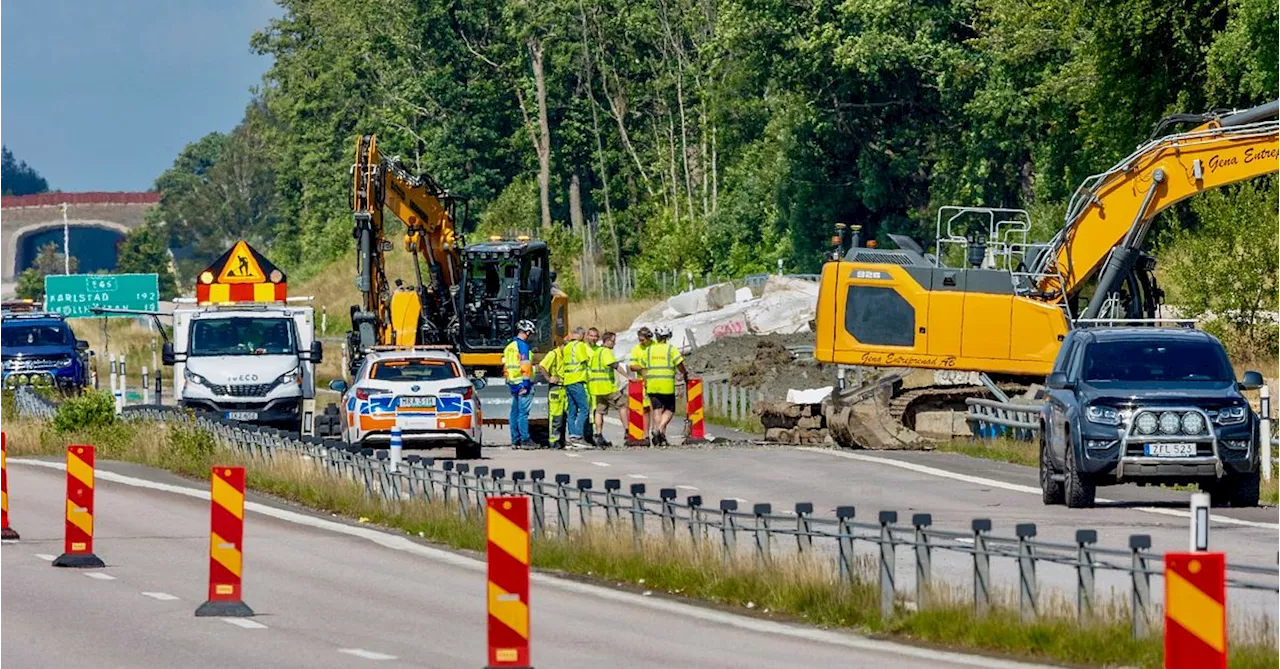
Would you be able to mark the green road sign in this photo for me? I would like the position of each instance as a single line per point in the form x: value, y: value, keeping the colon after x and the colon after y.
x: 73, y: 295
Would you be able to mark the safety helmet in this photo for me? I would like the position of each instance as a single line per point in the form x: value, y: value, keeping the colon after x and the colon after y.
x: 644, y: 332
x: 526, y: 326
x: 662, y: 331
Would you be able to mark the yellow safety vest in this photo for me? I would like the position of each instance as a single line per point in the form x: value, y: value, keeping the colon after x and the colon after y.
x: 600, y: 380
x: 660, y: 362
x: 513, y: 368
x: 553, y: 362
x: 576, y: 355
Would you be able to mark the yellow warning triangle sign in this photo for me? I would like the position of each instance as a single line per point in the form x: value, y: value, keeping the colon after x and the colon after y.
x: 241, y: 266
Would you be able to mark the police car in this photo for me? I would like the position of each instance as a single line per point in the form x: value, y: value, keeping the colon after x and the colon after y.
x: 423, y: 389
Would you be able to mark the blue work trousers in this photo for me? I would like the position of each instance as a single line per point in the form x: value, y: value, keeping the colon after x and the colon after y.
x: 579, y: 409
x: 519, y: 417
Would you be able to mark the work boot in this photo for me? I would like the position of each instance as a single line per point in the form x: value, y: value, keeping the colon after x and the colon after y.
x: 601, y: 442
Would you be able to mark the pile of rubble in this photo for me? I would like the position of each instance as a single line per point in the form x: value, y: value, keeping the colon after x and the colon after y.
x: 789, y: 423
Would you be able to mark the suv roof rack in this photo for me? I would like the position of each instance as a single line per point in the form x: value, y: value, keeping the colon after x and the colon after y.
x: 1103, y: 322
x: 29, y: 315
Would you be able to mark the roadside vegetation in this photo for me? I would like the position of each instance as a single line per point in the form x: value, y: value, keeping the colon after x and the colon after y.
x: 793, y: 588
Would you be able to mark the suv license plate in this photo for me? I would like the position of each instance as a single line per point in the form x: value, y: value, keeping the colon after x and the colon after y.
x: 242, y: 415
x: 1171, y: 450
x: 417, y: 402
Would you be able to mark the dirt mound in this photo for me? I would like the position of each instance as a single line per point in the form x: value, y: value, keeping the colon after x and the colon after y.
x: 763, y: 362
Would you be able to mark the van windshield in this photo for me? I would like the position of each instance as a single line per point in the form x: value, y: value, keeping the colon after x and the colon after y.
x: 242, y: 335
x: 1156, y: 360
x: 35, y: 335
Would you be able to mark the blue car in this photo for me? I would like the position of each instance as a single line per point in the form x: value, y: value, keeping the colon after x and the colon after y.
x: 39, y: 349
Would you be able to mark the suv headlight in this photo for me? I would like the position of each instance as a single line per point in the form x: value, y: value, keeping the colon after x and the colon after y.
x: 65, y: 362
x: 1231, y: 415
x: 293, y: 376
x: 193, y: 377
x: 1103, y: 415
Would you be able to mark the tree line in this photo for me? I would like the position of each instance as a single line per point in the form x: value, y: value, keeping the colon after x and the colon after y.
x: 707, y: 135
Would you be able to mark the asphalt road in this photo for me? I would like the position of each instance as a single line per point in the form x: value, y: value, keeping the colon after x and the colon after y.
x: 331, y: 594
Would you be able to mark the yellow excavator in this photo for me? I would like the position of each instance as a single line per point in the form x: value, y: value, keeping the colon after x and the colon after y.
x: 465, y: 296
x: 987, y: 301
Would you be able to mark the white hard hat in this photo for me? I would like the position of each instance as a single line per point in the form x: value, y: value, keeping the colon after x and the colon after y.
x: 526, y: 326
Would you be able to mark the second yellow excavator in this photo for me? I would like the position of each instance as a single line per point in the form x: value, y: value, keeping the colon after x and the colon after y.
x: 988, y: 301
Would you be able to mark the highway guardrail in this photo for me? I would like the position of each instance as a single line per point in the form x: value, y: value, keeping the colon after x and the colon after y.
x: 560, y: 503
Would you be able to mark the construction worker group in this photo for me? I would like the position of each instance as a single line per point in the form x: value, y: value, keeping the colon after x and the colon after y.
x: 588, y: 381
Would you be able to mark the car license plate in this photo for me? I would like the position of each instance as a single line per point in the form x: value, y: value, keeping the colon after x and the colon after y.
x: 417, y: 402
x: 242, y: 415
x: 1171, y: 450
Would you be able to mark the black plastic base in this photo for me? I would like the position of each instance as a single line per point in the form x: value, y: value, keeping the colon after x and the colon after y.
x: 79, y: 561
x: 9, y: 534
x: 224, y: 609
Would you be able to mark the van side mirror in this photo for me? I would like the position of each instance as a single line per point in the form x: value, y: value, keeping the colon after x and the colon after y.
x: 166, y: 354
x: 1252, y: 381
x: 1059, y: 381
x: 82, y: 345
x: 317, y: 352
x: 479, y: 383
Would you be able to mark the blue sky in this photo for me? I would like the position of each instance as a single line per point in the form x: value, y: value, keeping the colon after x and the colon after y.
x: 103, y: 94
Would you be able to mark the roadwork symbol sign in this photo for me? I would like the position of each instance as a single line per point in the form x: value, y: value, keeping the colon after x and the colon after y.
x: 241, y: 266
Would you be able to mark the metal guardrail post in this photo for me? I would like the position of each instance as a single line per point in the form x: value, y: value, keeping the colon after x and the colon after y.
x: 763, y: 536
x: 481, y: 490
x: 611, y: 510
x: 448, y: 467
x: 536, y: 478
x: 924, y: 558
x: 804, y: 531
x: 1027, y: 590
x: 1264, y: 429
x: 694, y: 502
x: 981, y: 566
x: 562, y: 505
x: 584, y: 502
x: 1141, y: 585
x: 667, y: 495
x: 844, y: 518
x: 1084, y: 574
x: 888, y: 561
x: 518, y: 485
x: 464, y: 489
x: 637, y: 515
x: 728, y: 534
x: 497, y: 482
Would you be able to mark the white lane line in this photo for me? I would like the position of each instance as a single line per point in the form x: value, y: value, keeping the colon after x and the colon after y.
x: 366, y: 654
x: 162, y: 596
x: 637, y: 476
x: 572, y: 455
x: 46, y: 557
x: 601, y: 464
x: 403, y: 544
x: 687, y: 487
x: 245, y: 623
x: 1016, y: 487
x: 100, y: 576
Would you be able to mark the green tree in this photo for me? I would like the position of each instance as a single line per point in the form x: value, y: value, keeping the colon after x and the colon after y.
x: 18, y: 178
x: 49, y: 261
x: 144, y: 251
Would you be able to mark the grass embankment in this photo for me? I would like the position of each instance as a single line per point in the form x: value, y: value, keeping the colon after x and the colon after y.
x: 792, y: 588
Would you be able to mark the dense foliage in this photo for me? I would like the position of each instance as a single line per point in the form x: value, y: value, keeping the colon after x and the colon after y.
x: 49, y: 260
x: 18, y: 178
x: 707, y: 135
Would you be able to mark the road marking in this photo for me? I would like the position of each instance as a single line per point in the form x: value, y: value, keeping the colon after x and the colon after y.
x: 100, y: 576
x: 687, y: 487
x: 244, y: 622
x: 1017, y: 487
x: 572, y: 455
x: 403, y: 544
x: 601, y: 464
x: 366, y: 654
x: 162, y: 596
x: 46, y: 557
x: 637, y: 476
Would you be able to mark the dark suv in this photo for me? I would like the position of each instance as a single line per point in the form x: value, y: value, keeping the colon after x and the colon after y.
x: 39, y: 349
x: 1147, y: 405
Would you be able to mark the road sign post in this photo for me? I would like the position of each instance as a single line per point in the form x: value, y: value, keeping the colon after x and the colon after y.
x: 9, y: 532
x: 75, y: 295
x: 1195, y: 619
x: 507, y: 527
x: 226, y: 545
x: 78, y: 542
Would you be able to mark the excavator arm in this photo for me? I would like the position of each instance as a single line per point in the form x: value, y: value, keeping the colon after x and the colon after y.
x: 425, y: 310
x: 1114, y: 210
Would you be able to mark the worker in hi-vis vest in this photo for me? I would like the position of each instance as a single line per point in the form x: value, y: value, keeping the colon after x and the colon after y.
x: 517, y: 368
x: 659, y: 362
x: 602, y: 381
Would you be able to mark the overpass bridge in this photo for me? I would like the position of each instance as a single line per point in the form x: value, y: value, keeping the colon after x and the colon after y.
x: 97, y: 222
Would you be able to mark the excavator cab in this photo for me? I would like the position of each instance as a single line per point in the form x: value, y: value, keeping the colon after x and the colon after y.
x: 505, y: 282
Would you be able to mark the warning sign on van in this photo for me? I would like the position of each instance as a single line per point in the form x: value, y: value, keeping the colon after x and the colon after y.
x: 241, y: 275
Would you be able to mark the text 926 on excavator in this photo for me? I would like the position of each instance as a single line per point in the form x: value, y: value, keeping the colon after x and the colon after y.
x: 466, y: 297
x: 987, y: 300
